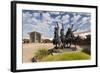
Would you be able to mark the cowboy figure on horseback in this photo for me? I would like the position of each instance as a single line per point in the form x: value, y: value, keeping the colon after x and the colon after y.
x: 56, y: 40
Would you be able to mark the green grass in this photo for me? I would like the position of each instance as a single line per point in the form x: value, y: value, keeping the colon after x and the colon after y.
x: 66, y: 56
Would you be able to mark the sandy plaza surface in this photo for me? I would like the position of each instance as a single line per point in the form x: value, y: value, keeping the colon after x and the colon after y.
x: 29, y: 49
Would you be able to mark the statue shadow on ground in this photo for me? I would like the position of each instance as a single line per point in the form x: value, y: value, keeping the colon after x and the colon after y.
x: 66, y: 49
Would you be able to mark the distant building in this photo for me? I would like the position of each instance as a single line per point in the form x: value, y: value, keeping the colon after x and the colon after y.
x: 25, y: 41
x: 35, y: 37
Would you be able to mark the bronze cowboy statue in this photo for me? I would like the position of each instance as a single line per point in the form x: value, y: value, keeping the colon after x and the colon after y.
x: 62, y: 37
x: 60, y: 41
x: 56, y: 40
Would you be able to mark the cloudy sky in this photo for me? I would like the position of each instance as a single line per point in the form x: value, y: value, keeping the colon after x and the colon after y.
x: 45, y: 21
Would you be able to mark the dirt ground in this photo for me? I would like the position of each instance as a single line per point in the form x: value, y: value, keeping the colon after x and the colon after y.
x: 29, y: 49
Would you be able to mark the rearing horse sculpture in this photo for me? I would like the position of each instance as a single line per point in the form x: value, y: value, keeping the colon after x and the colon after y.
x: 56, y: 40
x: 69, y: 37
x: 62, y: 37
x: 63, y: 40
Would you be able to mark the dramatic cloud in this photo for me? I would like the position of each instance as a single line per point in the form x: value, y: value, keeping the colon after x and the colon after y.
x: 55, y: 13
x: 36, y: 14
x: 45, y: 21
x: 75, y: 18
x: 66, y: 19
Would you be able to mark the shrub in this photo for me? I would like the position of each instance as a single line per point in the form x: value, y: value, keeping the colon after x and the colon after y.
x: 39, y: 54
x: 67, y: 56
x: 86, y: 51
